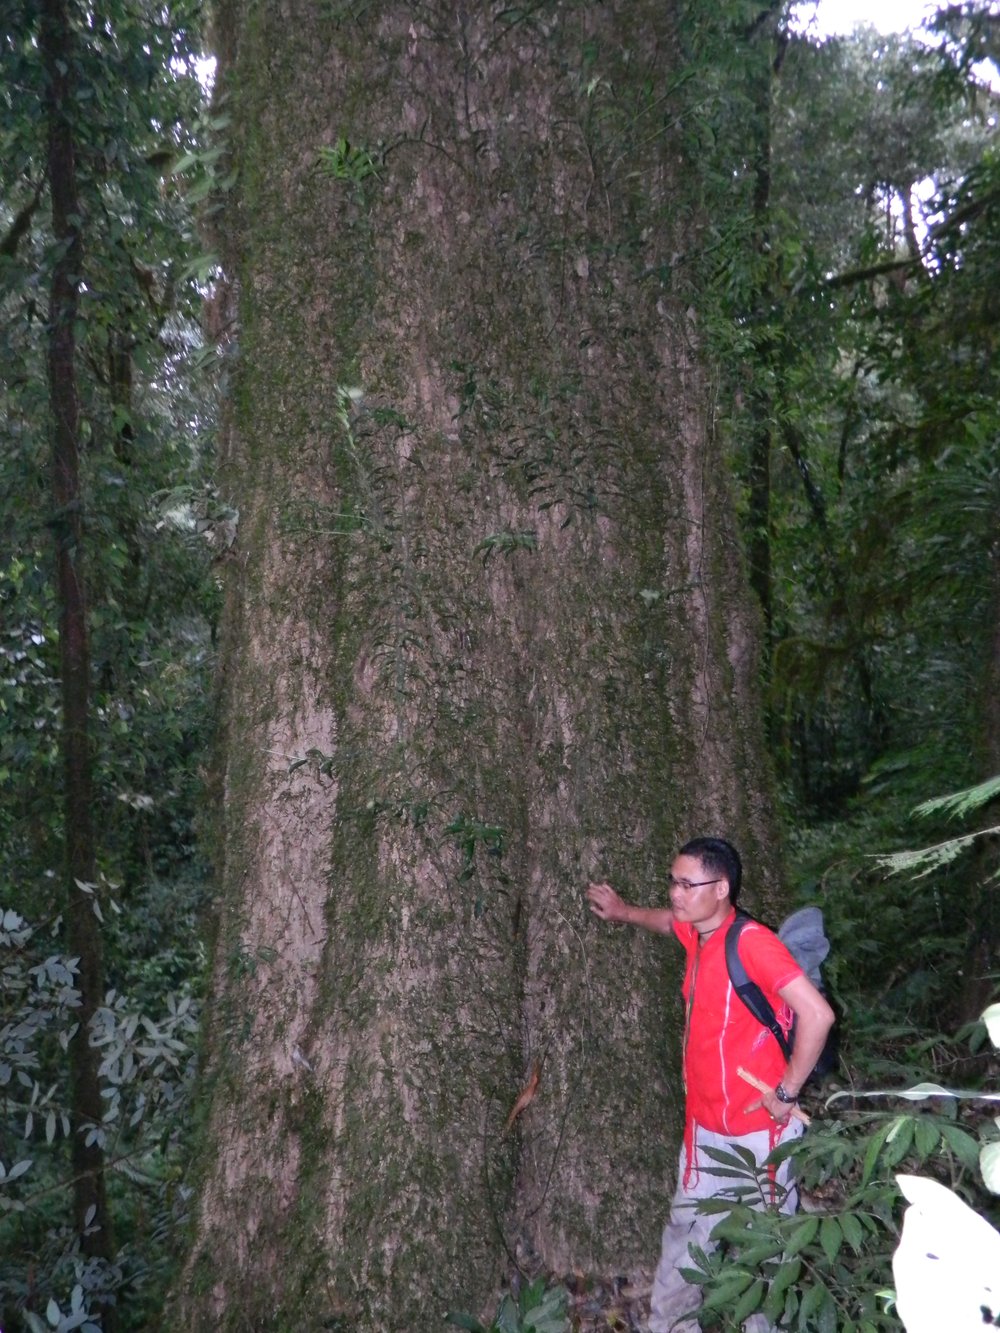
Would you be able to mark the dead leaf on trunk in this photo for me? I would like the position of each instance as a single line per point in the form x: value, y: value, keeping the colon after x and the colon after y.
x: 525, y: 1096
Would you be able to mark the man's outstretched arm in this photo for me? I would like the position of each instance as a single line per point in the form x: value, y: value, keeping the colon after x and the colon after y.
x: 610, y: 906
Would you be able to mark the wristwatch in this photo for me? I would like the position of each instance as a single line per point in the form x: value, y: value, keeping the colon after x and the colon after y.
x: 788, y: 1098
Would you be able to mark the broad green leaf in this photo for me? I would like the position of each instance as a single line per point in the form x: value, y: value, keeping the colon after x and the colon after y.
x: 854, y: 1232
x: 730, y: 1286
x: 786, y: 1275
x: 749, y: 1301
x: 813, y: 1297
x: 466, y: 1321
x: 962, y: 1144
x: 927, y: 1136
x: 708, y: 1207
x: 802, y: 1235
x: 508, y: 1317
x: 778, y: 1305
x: 736, y: 1156
x: 756, y: 1254
x: 900, y: 1140
x: 874, y: 1148
x: 830, y: 1237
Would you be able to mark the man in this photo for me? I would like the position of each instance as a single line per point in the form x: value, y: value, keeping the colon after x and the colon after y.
x: 720, y: 1037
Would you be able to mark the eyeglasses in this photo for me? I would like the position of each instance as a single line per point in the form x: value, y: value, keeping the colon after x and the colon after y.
x: 685, y: 884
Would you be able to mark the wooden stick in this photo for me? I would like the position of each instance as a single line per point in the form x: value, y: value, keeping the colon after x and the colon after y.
x: 761, y: 1086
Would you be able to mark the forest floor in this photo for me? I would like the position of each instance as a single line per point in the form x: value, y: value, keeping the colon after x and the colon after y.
x: 618, y: 1306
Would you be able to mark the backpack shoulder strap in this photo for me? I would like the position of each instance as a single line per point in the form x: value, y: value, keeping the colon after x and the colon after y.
x: 748, y: 991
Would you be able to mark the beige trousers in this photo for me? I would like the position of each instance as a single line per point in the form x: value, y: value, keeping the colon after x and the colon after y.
x: 674, y: 1300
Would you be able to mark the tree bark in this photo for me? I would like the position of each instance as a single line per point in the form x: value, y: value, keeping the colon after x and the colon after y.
x: 91, y: 1216
x: 764, y: 56
x: 979, y: 972
x: 487, y: 637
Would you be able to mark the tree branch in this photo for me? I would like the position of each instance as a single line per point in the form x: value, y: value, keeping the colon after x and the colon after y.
x: 21, y: 223
x: 873, y: 271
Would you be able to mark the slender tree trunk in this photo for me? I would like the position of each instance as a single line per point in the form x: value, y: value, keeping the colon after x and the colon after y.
x: 979, y: 973
x: 487, y: 638
x: 991, y: 689
x: 763, y: 58
x: 91, y: 1215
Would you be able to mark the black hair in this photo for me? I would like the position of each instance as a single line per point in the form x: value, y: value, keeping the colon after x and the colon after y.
x: 719, y: 858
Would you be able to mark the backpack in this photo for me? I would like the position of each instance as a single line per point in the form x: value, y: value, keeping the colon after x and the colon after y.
x: 804, y: 937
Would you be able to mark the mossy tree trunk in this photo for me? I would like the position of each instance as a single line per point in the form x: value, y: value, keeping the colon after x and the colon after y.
x: 488, y: 637
x: 91, y: 1215
x: 979, y: 973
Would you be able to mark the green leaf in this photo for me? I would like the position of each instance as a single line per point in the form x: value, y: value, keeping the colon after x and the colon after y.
x: 854, y: 1232
x: 749, y: 1301
x: 543, y: 1308
x: 900, y: 1140
x: 724, y: 1292
x: 785, y: 1275
x: 874, y: 1149
x: 721, y: 1205
x: 759, y: 1253
x: 962, y: 1144
x: 801, y: 1235
x: 927, y: 1136
x: 830, y: 1237
x: 961, y: 803
x: 925, y: 860
x: 736, y: 1156
x: 813, y: 1298
x: 466, y: 1321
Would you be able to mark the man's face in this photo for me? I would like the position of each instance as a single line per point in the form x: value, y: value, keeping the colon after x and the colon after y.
x: 691, y: 897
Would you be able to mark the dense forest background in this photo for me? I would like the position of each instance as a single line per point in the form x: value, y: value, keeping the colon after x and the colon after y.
x: 846, y: 280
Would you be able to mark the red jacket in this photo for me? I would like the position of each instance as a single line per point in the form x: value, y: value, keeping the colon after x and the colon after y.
x: 721, y: 1034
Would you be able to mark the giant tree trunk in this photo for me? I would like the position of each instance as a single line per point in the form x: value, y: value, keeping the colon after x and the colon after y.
x: 487, y: 638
